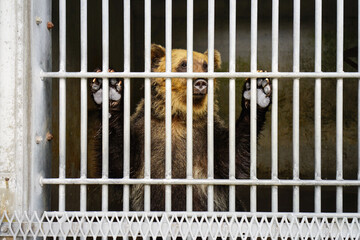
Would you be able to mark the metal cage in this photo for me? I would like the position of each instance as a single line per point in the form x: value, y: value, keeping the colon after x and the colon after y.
x: 252, y: 224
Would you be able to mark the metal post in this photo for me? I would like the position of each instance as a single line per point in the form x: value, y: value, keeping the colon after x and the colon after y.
x: 168, y: 104
x: 105, y: 104
x: 274, y: 107
x: 147, y: 156
x: 126, y: 197
x: 253, y: 104
x: 318, y: 20
x: 339, y: 103
x: 84, y: 117
x: 232, y: 106
x: 296, y: 104
x: 32, y: 97
x: 189, y: 103
x: 62, y: 104
x: 358, y: 107
x: 210, y: 112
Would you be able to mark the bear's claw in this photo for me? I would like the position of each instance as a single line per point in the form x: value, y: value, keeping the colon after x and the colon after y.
x: 263, y: 92
x: 115, y: 88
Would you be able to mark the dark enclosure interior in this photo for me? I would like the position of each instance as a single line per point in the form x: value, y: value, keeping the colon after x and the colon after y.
x: 242, y: 64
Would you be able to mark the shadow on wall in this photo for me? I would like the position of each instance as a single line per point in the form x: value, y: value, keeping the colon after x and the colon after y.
x: 243, y: 64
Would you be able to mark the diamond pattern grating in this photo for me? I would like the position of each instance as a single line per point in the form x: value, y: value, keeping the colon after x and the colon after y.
x: 184, y: 225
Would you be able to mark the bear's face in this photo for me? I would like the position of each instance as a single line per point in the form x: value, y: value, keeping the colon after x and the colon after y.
x: 179, y: 85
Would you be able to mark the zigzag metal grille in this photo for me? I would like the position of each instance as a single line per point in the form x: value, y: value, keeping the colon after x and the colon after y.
x: 224, y: 225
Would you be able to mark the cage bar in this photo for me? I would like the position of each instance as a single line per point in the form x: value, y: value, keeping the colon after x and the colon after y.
x: 318, y: 30
x: 210, y: 123
x: 62, y: 103
x: 127, y: 56
x: 105, y: 104
x: 274, y: 107
x: 339, y: 102
x: 189, y: 104
x: 232, y: 99
x: 253, y: 103
x: 358, y: 109
x: 225, y: 182
x: 84, y: 116
x: 168, y: 23
x: 147, y: 157
x: 283, y: 75
x: 296, y: 104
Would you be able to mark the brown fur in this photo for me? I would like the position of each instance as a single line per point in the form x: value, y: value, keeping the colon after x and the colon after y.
x: 178, y: 110
x: 178, y: 106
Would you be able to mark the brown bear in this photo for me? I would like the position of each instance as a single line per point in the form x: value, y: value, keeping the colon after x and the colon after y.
x: 178, y: 104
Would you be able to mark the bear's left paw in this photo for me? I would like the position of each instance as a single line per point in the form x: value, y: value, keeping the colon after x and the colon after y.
x: 263, y: 92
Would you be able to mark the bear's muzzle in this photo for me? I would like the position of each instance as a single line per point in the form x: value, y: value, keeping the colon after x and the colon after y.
x: 200, y: 87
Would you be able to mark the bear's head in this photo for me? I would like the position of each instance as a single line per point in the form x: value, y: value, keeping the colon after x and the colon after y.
x: 179, y: 85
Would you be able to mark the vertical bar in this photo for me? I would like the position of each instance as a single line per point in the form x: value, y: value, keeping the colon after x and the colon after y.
x: 232, y: 99
x: 318, y: 17
x: 105, y: 105
x: 339, y: 103
x: 168, y: 22
x: 253, y: 104
x: 274, y: 110
x: 147, y: 103
x: 83, y: 130
x: 126, y: 195
x: 62, y: 104
x: 210, y: 128
x: 189, y: 104
x: 296, y: 104
x: 358, y: 106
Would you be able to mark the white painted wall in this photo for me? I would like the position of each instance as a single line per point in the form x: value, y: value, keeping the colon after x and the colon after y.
x: 14, y: 95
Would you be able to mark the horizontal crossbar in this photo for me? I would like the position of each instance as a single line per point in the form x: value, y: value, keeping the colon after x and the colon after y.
x: 252, y: 182
x: 290, y: 75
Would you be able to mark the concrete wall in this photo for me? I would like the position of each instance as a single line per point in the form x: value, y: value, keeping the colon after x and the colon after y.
x: 14, y: 53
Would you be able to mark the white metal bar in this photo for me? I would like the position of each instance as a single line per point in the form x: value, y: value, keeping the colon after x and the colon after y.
x: 232, y: 105
x: 318, y: 21
x: 339, y: 102
x: 105, y: 104
x: 210, y: 112
x: 253, y: 104
x: 208, y: 215
x: 126, y: 90
x: 296, y: 104
x: 62, y: 104
x: 285, y: 75
x: 189, y: 105
x: 225, y: 182
x: 168, y: 23
x: 84, y: 116
x: 147, y: 157
x: 274, y: 109
x: 358, y: 107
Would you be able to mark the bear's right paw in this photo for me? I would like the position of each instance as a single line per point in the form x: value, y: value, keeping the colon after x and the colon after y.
x: 115, y: 89
x: 263, y: 92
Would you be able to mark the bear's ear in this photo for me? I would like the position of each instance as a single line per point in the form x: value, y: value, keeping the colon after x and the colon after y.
x: 157, y: 52
x: 217, y: 59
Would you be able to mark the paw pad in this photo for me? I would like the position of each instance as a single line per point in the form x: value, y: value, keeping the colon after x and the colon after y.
x: 115, y: 88
x: 263, y: 92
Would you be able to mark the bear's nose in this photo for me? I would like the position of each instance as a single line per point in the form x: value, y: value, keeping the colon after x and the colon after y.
x: 200, y: 87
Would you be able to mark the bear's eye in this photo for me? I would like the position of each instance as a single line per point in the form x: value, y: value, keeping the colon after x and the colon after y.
x: 183, y: 64
x: 205, y: 66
